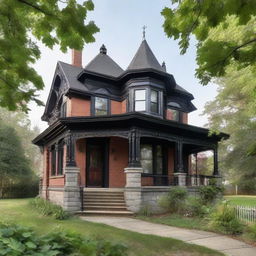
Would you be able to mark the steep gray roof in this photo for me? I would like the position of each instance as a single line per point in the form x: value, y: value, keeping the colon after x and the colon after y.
x: 71, y: 72
x: 103, y: 64
x: 144, y: 58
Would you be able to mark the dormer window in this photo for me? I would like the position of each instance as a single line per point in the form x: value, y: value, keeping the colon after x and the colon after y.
x: 174, y: 114
x: 101, y: 106
x: 140, y: 100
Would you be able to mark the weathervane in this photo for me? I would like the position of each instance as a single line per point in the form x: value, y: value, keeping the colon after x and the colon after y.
x: 144, y: 32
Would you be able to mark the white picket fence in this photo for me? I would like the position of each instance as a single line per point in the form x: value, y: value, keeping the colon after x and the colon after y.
x: 246, y: 213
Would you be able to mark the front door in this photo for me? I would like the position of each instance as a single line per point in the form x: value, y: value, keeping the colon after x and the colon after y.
x: 96, y: 163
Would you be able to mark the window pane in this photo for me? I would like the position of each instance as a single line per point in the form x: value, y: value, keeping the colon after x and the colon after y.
x: 101, y: 103
x: 99, y: 112
x: 140, y: 105
x: 147, y: 166
x: 159, y: 160
x: 53, y: 161
x: 174, y: 115
x: 147, y: 158
x: 154, y: 96
x: 140, y: 94
x: 101, y: 106
x: 154, y: 107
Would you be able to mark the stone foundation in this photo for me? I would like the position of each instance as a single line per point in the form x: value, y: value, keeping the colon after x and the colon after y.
x: 150, y: 197
x: 56, y: 195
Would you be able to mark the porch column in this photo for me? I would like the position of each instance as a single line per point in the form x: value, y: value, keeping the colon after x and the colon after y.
x: 216, y: 172
x: 215, y: 164
x: 70, y: 157
x: 179, y: 172
x: 133, y: 173
x: 72, y: 200
x: 134, y: 149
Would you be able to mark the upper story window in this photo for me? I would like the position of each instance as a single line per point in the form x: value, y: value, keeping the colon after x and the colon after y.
x: 173, y: 114
x: 147, y: 100
x: 140, y: 100
x: 101, y: 106
x: 154, y: 101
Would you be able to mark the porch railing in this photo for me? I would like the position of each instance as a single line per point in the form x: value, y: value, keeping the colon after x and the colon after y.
x: 172, y: 180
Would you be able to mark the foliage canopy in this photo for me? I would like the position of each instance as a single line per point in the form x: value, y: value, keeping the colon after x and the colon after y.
x: 198, y: 18
x: 53, y: 22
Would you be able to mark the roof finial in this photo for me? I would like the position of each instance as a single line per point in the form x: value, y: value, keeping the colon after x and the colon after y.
x: 164, y: 66
x: 103, y: 49
x: 144, y: 32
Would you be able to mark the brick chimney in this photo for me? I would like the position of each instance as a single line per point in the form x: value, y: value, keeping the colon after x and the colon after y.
x: 76, y: 58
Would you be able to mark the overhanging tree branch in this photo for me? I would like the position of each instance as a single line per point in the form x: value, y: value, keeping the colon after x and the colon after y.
x: 35, y: 7
x: 231, y: 53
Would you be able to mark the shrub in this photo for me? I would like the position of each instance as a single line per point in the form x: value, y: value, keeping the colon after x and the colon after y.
x: 224, y: 220
x: 195, y: 208
x: 251, y: 232
x: 175, y: 200
x: 48, y: 208
x: 19, y: 241
x: 208, y: 194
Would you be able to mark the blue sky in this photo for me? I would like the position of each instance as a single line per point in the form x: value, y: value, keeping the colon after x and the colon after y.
x: 120, y: 24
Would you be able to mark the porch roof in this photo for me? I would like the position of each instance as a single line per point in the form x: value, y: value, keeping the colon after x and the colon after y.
x: 126, y: 121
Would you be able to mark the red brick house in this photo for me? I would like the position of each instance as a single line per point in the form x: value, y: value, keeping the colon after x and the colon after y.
x: 120, y: 134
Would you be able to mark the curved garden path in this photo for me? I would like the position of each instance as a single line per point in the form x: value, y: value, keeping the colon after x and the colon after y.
x: 218, y: 242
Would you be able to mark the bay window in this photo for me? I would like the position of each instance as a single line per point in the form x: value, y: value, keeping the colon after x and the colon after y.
x: 140, y: 100
x: 147, y: 100
x: 154, y: 101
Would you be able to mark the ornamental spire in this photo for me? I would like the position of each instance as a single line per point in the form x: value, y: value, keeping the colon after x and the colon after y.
x: 144, y: 32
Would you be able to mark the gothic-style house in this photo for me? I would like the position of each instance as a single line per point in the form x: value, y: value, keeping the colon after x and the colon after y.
x: 119, y: 139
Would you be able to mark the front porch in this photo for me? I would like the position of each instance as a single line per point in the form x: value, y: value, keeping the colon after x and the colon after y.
x: 153, y: 155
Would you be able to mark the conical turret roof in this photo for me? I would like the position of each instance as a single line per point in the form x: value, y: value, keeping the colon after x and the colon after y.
x: 103, y: 64
x: 144, y: 58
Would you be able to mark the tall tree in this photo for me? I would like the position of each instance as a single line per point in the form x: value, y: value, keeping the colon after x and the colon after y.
x: 232, y: 111
x: 22, y: 125
x: 14, y: 166
x: 53, y: 22
x: 187, y: 18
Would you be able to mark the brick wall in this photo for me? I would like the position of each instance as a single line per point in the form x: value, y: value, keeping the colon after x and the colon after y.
x: 78, y: 107
x: 118, y: 107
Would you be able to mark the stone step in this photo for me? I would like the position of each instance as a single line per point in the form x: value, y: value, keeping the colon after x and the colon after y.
x: 86, y: 189
x: 104, y: 192
x: 104, y: 197
x: 100, y: 201
x: 111, y: 213
x: 105, y: 204
x: 105, y: 208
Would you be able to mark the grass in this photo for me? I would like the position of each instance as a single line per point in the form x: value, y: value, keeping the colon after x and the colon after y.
x: 17, y: 211
x: 242, y: 200
x: 178, y: 221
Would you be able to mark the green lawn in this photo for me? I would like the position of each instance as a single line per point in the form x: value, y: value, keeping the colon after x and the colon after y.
x: 178, y: 221
x: 18, y: 211
x: 242, y: 200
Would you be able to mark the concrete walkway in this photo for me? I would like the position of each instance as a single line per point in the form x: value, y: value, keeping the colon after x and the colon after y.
x: 221, y: 243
